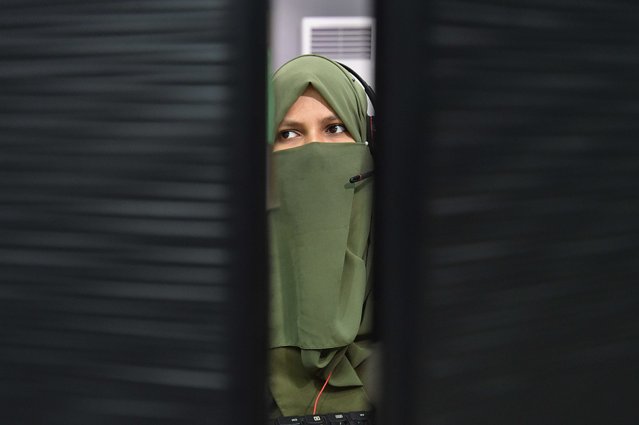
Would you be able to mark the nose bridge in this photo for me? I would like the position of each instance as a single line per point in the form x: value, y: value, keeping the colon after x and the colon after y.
x: 314, y: 134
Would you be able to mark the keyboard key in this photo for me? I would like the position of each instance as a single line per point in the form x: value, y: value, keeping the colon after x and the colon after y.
x: 314, y: 420
x: 289, y: 420
x: 337, y: 419
x: 363, y: 418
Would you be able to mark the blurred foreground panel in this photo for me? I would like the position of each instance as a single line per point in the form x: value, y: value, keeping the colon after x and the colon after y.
x: 121, y: 163
x: 525, y: 246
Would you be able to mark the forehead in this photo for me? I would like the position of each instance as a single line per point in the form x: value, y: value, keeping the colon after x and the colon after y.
x: 310, y: 104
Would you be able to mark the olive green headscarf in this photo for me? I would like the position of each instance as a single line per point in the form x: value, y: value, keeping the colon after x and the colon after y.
x: 320, y: 227
x: 332, y: 81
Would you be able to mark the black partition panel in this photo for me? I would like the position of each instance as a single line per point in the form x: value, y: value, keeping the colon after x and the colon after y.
x: 132, y: 256
x: 508, y: 208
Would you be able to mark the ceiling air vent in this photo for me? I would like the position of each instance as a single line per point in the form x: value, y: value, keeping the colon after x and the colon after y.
x: 349, y: 40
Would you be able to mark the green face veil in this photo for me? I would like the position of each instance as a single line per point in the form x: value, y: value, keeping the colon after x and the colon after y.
x: 320, y: 235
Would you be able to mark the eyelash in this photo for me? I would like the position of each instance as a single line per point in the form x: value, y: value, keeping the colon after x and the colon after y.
x: 283, y: 132
x: 327, y: 129
x: 337, y: 125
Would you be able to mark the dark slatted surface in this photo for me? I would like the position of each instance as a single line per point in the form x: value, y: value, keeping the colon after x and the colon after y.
x: 120, y: 209
x: 530, y: 190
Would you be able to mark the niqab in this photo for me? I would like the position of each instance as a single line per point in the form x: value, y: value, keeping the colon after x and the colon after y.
x: 320, y: 247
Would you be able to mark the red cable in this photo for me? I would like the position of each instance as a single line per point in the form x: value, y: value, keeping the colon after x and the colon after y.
x: 321, y: 391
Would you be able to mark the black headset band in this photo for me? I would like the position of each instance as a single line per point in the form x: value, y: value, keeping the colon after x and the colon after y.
x: 368, y: 89
x: 370, y: 125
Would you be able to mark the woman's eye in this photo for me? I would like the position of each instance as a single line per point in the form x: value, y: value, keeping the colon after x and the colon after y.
x: 287, y: 134
x: 336, y: 128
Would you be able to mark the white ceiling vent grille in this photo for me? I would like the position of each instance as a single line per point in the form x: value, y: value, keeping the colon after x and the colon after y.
x: 349, y: 40
x: 342, y: 43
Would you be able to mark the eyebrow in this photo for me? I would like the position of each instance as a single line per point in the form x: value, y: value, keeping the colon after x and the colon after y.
x: 331, y: 118
x: 291, y: 123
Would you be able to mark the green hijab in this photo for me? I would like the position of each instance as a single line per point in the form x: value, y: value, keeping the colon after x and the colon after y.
x: 336, y: 85
x: 320, y: 237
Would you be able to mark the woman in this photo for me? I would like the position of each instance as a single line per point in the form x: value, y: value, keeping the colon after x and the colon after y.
x: 320, y: 241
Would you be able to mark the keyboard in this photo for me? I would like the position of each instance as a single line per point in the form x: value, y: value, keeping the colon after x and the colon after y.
x: 351, y: 418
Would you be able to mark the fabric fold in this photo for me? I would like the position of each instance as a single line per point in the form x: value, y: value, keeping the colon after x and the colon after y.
x: 319, y: 241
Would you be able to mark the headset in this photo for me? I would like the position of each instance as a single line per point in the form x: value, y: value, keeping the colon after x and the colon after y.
x: 370, y: 128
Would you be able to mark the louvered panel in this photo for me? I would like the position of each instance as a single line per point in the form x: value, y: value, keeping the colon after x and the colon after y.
x: 528, y: 209
x: 119, y: 210
x: 342, y: 42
